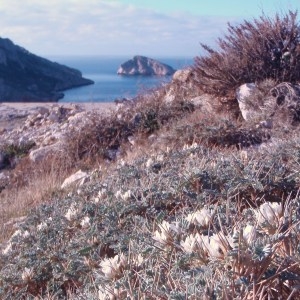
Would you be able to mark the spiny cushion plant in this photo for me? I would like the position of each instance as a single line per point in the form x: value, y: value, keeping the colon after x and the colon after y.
x: 265, y: 48
x: 207, y: 223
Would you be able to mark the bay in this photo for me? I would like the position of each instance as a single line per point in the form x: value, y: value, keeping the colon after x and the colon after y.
x: 108, y: 85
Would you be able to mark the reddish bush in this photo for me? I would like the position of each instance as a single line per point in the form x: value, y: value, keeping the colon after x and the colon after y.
x: 251, y: 52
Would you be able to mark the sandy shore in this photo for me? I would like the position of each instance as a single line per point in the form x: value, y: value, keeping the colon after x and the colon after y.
x: 14, y: 113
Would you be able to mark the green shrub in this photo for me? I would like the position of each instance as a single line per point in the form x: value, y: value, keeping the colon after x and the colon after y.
x: 11, y: 152
x: 251, y: 52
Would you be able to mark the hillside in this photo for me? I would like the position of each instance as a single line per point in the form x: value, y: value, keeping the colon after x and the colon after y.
x: 29, y: 78
x: 180, y: 194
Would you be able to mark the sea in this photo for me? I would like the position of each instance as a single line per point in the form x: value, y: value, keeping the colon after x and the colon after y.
x: 109, y: 86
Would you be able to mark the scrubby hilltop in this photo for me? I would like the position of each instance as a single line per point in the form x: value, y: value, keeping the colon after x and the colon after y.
x: 191, y: 191
x: 29, y: 78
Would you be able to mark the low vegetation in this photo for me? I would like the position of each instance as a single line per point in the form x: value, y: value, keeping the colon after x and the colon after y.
x: 181, y: 203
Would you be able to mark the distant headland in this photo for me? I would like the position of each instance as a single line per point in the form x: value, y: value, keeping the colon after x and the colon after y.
x: 25, y: 77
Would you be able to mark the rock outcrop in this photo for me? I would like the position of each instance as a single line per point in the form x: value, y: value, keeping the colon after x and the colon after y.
x: 243, y: 94
x: 281, y: 103
x: 29, y: 78
x: 141, y: 65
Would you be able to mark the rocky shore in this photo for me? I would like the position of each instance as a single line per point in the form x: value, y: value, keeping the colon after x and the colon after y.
x: 13, y: 114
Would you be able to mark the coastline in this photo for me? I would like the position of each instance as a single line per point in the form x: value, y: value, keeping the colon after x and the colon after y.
x: 25, y: 106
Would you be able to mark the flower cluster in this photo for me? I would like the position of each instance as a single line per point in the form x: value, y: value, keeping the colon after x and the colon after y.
x: 85, y: 222
x: 213, y: 247
x: 112, y: 268
x: 200, y: 217
x: 71, y: 213
x: 188, y: 147
x: 269, y: 216
x: 124, y: 196
x: 167, y: 234
x: 101, y: 195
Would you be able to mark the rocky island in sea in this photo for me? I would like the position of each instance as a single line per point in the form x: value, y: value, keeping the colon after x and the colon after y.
x: 141, y: 65
x: 25, y: 77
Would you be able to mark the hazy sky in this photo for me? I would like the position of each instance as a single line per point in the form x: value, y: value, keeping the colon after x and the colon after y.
x: 126, y: 27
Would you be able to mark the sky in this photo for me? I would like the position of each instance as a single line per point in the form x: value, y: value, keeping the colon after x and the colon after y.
x: 155, y: 28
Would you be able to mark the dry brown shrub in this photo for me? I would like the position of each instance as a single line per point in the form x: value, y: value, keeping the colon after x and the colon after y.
x: 251, y: 52
x: 104, y: 136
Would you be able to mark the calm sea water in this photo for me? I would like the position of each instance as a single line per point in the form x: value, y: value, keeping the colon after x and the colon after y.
x: 108, y: 85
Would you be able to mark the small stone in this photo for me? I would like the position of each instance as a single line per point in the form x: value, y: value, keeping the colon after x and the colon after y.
x: 53, y: 117
x: 41, y: 153
x: 79, y: 177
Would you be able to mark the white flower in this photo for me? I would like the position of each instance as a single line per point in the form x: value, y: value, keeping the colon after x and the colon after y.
x: 139, y: 260
x: 85, y: 222
x: 194, y: 145
x: 200, y: 217
x: 118, y: 194
x: 27, y: 274
x: 166, y: 233
x: 193, y: 243
x: 244, y: 156
x: 113, y: 267
x: 102, y: 192
x: 160, y: 157
x: 122, y: 163
x: 26, y: 234
x: 249, y: 234
x: 187, y: 147
x: 218, y: 245
x: 7, y: 249
x: 188, y: 245
x: 164, y: 238
x: 124, y: 196
x: 101, y: 195
x: 71, y: 213
x: 42, y: 226
x: 269, y: 215
x: 149, y: 163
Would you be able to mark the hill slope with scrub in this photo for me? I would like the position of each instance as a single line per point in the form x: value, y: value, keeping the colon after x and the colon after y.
x: 184, y: 196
